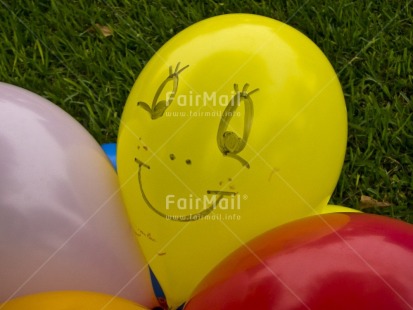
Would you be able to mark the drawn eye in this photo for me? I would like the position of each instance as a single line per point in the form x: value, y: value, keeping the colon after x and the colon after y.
x: 159, y: 107
x: 229, y: 143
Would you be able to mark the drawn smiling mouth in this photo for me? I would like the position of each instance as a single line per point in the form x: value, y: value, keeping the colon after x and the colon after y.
x: 181, y: 218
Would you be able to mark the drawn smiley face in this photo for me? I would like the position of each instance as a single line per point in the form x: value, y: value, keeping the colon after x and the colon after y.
x: 229, y: 143
x: 188, y: 134
x: 196, y: 127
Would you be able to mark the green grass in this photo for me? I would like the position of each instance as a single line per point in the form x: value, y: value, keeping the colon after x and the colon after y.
x: 53, y: 48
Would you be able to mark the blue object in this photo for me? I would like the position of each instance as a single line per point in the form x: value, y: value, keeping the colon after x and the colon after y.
x: 110, y: 150
x: 157, y: 289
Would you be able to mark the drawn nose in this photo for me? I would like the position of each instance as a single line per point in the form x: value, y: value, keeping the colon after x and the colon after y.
x: 173, y: 157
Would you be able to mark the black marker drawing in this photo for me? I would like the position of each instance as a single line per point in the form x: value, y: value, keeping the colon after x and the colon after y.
x: 159, y: 107
x: 179, y: 218
x: 229, y: 143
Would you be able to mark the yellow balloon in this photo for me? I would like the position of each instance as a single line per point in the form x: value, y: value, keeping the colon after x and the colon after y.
x: 70, y: 300
x: 337, y: 209
x: 236, y: 125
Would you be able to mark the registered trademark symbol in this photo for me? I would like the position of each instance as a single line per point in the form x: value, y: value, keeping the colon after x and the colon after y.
x: 245, y: 196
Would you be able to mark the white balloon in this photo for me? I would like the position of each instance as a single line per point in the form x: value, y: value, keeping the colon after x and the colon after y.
x: 62, y: 222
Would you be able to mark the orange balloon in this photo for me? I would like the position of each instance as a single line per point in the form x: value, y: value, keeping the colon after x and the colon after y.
x: 70, y: 300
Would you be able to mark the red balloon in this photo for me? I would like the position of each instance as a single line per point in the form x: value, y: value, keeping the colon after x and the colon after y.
x: 330, y: 261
